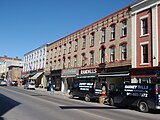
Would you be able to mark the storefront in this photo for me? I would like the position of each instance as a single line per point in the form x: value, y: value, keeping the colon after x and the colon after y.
x: 55, y: 78
x: 90, y: 74
x: 68, y: 76
x: 115, y: 76
x: 145, y: 75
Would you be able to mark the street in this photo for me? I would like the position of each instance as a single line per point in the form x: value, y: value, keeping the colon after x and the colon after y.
x: 17, y: 103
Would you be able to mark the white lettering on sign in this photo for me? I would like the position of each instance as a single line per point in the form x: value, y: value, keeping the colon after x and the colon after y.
x: 89, y: 71
x: 130, y: 86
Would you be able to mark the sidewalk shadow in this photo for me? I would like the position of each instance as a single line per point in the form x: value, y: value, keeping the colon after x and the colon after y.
x: 6, y: 104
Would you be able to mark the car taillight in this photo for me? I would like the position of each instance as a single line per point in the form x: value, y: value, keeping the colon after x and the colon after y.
x: 156, y: 91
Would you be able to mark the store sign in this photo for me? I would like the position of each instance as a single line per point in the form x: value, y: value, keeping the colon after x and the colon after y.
x: 88, y: 71
x: 70, y: 72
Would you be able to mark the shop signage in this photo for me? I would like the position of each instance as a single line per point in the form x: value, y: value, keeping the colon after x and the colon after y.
x: 88, y: 71
x: 66, y: 72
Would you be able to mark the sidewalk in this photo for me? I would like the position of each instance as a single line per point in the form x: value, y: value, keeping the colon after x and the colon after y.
x: 54, y: 92
x: 44, y: 91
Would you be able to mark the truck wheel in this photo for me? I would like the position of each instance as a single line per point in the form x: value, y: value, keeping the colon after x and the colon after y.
x: 87, y: 98
x: 111, y: 101
x: 143, y: 107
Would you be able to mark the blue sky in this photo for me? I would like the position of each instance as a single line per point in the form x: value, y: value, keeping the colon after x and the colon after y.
x: 27, y: 24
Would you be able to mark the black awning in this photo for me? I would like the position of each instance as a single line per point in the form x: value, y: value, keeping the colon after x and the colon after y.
x: 114, y: 74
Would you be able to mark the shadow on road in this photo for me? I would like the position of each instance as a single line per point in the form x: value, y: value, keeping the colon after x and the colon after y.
x: 87, y: 107
x: 6, y: 104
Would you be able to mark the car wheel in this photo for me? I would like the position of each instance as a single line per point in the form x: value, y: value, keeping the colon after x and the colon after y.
x: 71, y: 95
x: 87, y: 98
x: 143, y: 107
x: 111, y: 101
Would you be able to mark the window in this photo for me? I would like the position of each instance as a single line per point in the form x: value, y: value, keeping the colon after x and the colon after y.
x: 113, y: 32
x: 70, y: 46
x: 83, y: 59
x: 144, y: 26
x: 103, y: 35
x: 59, y: 63
x: 69, y: 62
x: 145, y: 53
x: 55, y: 52
x: 64, y: 59
x: 124, y: 27
x: 112, y: 54
x: 84, y: 42
x: 64, y: 48
x: 91, y: 58
x: 92, y: 39
x: 76, y: 45
x: 59, y: 50
x: 103, y: 55
x: 75, y: 61
x: 124, y: 52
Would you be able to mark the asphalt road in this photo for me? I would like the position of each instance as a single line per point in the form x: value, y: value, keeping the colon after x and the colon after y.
x: 20, y: 104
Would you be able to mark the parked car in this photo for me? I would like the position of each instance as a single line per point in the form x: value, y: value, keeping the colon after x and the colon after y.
x: 143, y: 96
x: 30, y: 84
x: 3, y: 82
x: 14, y: 83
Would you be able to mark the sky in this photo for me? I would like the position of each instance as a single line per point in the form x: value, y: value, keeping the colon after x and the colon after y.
x: 28, y: 24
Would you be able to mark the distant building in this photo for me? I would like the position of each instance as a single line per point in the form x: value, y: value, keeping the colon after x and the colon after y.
x: 11, y: 68
x: 34, y: 64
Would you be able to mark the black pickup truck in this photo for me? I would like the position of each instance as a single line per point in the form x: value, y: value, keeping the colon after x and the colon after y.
x: 143, y: 96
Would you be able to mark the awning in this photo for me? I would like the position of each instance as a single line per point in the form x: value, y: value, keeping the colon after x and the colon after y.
x: 25, y: 75
x: 114, y: 74
x: 36, y: 75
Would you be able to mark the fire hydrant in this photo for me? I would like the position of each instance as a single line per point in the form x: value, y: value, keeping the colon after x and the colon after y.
x: 103, y: 96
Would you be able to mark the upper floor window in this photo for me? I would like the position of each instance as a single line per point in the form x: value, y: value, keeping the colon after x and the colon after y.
x: 112, y: 54
x: 103, y: 35
x: 69, y: 62
x: 84, y: 58
x: 76, y: 45
x: 55, y: 53
x: 75, y: 60
x: 64, y: 48
x: 123, y: 51
x: 102, y: 54
x: 70, y: 46
x: 84, y: 42
x: 124, y: 27
x: 59, y: 50
x: 92, y: 39
x: 144, y: 26
x: 144, y: 55
x: 113, y: 31
x: 91, y: 58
